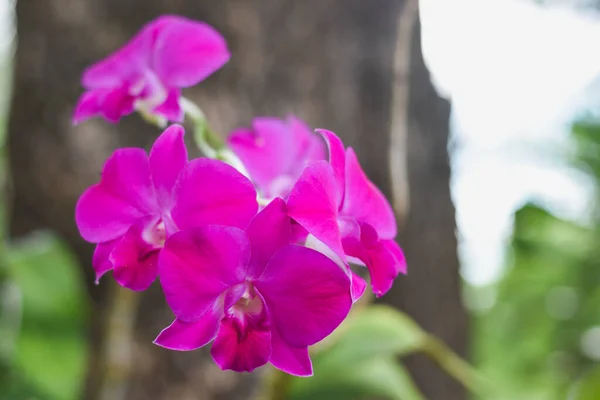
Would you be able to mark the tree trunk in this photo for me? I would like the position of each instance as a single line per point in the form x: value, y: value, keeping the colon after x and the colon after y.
x: 431, y: 292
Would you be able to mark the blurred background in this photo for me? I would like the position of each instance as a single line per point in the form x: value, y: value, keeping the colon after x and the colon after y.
x: 478, y: 118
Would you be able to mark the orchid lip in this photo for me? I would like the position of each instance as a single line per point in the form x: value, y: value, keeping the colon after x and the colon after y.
x: 155, y: 234
x: 248, y: 303
x: 149, y: 91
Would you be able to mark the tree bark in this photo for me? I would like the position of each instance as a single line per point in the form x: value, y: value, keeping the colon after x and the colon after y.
x: 431, y: 292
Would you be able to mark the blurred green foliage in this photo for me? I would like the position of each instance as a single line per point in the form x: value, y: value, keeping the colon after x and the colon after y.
x: 534, y: 342
x: 51, y: 346
x: 361, y: 359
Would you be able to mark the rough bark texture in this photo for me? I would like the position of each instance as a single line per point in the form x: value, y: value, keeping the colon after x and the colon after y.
x: 432, y: 289
x: 328, y: 61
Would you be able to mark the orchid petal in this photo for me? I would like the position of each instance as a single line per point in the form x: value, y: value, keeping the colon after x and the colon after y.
x: 186, y: 336
x: 170, y: 108
x: 100, y: 259
x: 187, y: 52
x: 212, y: 192
x: 292, y: 360
x: 88, y: 105
x: 167, y: 158
x: 337, y: 159
x: 135, y: 261
x: 197, y: 265
x: 365, y: 202
x: 127, y: 174
x: 239, y: 350
x: 358, y: 286
x: 122, y: 65
x: 306, y: 293
x: 378, y: 256
x: 264, y: 150
x: 102, y: 216
x: 398, y: 254
x: 309, y: 147
x: 116, y: 103
x: 312, y: 204
x: 268, y: 231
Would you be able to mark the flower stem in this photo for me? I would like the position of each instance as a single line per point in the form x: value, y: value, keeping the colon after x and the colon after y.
x: 209, y: 142
x: 455, y: 366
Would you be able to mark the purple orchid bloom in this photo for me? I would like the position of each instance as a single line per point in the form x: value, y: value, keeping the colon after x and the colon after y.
x: 338, y: 205
x: 260, y: 298
x: 141, y: 200
x: 275, y: 153
x: 147, y: 74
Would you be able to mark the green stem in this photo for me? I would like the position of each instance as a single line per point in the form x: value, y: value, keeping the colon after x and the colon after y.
x: 208, y: 141
x: 453, y: 365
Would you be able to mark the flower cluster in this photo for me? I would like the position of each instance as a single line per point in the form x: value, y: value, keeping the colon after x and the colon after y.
x: 255, y: 261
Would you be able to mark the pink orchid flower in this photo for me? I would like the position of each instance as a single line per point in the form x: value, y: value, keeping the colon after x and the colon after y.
x: 260, y: 298
x: 275, y: 153
x: 142, y: 199
x: 338, y: 205
x: 147, y: 74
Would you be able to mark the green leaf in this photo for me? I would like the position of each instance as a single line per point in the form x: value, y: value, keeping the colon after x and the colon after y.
x: 377, y: 330
x: 589, y: 387
x: 361, y: 362
x: 381, y: 377
x: 51, y: 349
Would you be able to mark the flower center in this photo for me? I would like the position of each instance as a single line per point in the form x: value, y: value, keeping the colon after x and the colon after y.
x: 155, y: 234
x: 149, y: 92
x: 248, y: 305
x: 248, y: 312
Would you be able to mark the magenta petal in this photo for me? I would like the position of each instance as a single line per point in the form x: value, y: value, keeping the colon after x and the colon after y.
x: 398, y: 254
x: 127, y: 175
x: 269, y: 230
x: 88, y: 105
x: 100, y: 259
x: 212, y: 192
x: 358, y: 286
x: 264, y: 150
x: 309, y: 147
x: 116, y: 103
x: 292, y: 360
x: 306, y: 293
x: 383, y: 269
x: 168, y: 157
x: 122, y: 65
x: 313, y: 205
x: 102, y: 216
x: 241, y: 350
x: 135, y: 261
x: 186, y: 52
x: 379, y: 257
x: 365, y: 202
x: 186, y: 336
x: 197, y: 265
x: 299, y: 234
x: 337, y: 159
x: 112, y: 104
x: 170, y: 108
